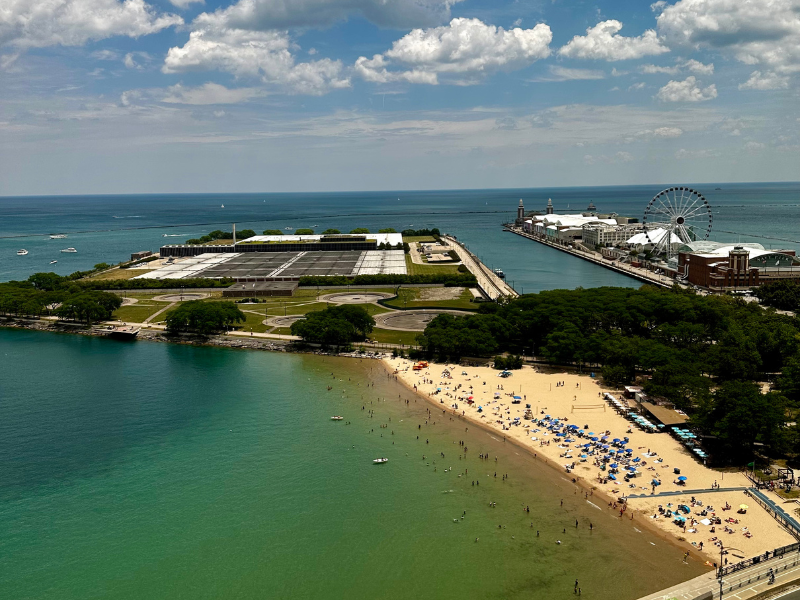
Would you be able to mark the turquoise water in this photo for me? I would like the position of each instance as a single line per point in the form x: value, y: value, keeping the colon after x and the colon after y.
x: 115, y: 226
x: 147, y: 470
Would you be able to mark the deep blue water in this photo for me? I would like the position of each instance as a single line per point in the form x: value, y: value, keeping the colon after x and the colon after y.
x: 109, y: 228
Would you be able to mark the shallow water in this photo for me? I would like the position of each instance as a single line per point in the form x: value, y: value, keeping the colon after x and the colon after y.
x: 148, y: 470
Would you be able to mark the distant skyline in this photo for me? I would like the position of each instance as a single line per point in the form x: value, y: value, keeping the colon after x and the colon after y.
x: 104, y: 96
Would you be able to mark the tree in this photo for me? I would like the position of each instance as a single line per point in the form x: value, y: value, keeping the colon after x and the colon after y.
x: 244, y: 234
x: 272, y: 232
x: 102, y: 266
x: 335, y: 326
x: 387, y: 230
x: 331, y: 232
x: 305, y: 231
x: 739, y: 415
x: 202, y: 317
x: 360, y: 230
x: 89, y: 307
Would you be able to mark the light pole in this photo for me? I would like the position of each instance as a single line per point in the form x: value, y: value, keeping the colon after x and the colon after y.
x: 722, y: 550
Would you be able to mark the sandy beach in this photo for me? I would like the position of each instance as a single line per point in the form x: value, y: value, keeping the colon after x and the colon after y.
x: 577, y: 400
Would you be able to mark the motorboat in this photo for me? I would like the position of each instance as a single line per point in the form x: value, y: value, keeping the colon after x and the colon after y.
x: 70, y: 250
x: 288, y: 228
x: 22, y: 252
x: 58, y: 236
x: 223, y: 206
x: 52, y: 262
x: 337, y: 418
x: 499, y: 273
x: 380, y: 461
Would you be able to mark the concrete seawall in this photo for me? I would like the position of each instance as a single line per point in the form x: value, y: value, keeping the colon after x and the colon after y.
x: 640, y: 274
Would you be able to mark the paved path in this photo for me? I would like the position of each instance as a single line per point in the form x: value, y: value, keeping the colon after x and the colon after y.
x: 155, y: 314
x: 685, y: 492
x: 743, y: 585
x: 491, y: 284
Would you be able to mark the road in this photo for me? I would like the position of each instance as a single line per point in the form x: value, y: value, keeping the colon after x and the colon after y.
x: 746, y: 584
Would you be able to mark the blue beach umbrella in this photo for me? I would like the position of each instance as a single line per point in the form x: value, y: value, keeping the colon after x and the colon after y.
x: 682, y: 478
x: 612, y: 477
x: 614, y: 466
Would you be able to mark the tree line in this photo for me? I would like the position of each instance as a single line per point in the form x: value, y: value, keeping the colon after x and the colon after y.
x: 705, y: 354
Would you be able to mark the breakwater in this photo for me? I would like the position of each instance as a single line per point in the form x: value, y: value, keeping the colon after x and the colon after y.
x: 640, y: 274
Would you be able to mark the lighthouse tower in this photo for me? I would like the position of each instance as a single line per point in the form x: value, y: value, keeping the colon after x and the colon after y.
x: 549, y: 206
x: 520, y: 212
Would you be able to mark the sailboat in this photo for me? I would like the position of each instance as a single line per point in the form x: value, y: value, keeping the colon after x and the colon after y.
x: 223, y: 206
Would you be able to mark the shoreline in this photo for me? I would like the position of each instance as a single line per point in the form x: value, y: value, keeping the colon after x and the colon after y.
x: 767, y: 533
x: 638, y: 508
x: 580, y: 483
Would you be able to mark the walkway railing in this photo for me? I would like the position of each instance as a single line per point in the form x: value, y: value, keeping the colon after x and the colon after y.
x: 780, y: 515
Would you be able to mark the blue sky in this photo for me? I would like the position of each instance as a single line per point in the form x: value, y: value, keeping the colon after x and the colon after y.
x: 105, y: 96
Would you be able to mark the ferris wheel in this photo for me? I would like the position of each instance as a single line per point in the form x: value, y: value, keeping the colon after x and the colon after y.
x: 674, y: 216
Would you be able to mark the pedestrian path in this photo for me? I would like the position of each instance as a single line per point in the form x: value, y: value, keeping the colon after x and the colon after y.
x: 685, y: 492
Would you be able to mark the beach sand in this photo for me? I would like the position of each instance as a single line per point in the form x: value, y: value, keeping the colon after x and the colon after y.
x: 579, y: 401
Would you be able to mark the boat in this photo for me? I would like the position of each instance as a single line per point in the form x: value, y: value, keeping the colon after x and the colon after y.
x: 52, y: 262
x: 288, y: 228
x: 70, y: 250
x: 123, y: 333
x: 22, y: 252
x: 337, y: 418
x: 380, y: 461
x: 58, y: 236
x: 499, y: 273
x: 223, y: 206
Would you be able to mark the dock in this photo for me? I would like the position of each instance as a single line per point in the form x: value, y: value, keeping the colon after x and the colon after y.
x: 642, y: 275
x: 491, y: 284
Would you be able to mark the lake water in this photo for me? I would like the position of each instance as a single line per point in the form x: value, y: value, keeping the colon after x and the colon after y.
x: 116, y: 226
x: 146, y: 470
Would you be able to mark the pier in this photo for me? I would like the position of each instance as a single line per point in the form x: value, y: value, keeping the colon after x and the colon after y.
x: 642, y: 275
x: 493, y: 287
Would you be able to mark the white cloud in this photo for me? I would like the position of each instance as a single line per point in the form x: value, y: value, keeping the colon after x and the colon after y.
x: 658, y: 6
x: 209, y: 93
x: 619, y: 157
x: 754, y: 147
x: 32, y: 24
x: 668, y: 132
x: 653, y: 69
x: 463, y: 52
x: 755, y: 32
x: 559, y: 73
x: 185, y: 3
x: 637, y: 86
x: 686, y: 91
x: 695, y: 66
x: 684, y: 154
x: 265, y: 15
x: 266, y: 55
x: 623, y: 156
x: 765, y: 81
x: 603, y: 42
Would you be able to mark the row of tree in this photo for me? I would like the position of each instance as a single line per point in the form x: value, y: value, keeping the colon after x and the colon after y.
x: 782, y: 294
x: 706, y: 354
x: 336, y: 326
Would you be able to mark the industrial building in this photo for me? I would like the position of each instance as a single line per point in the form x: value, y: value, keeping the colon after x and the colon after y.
x: 714, y: 265
x: 278, y: 266
x: 291, y: 243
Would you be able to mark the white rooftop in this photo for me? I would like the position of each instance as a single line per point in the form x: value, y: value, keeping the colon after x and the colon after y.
x: 380, y: 238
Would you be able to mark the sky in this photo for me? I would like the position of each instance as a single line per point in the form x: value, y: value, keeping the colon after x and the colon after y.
x: 135, y: 96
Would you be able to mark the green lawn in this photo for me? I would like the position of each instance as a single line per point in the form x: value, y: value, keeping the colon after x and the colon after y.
x: 137, y: 313
x: 415, y: 269
x: 409, y: 298
x: 418, y: 238
x: 387, y: 336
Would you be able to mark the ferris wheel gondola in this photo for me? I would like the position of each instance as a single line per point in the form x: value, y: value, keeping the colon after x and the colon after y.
x: 675, y: 216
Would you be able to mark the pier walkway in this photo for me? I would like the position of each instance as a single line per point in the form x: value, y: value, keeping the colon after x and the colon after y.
x: 640, y: 274
x: 491, y: 284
